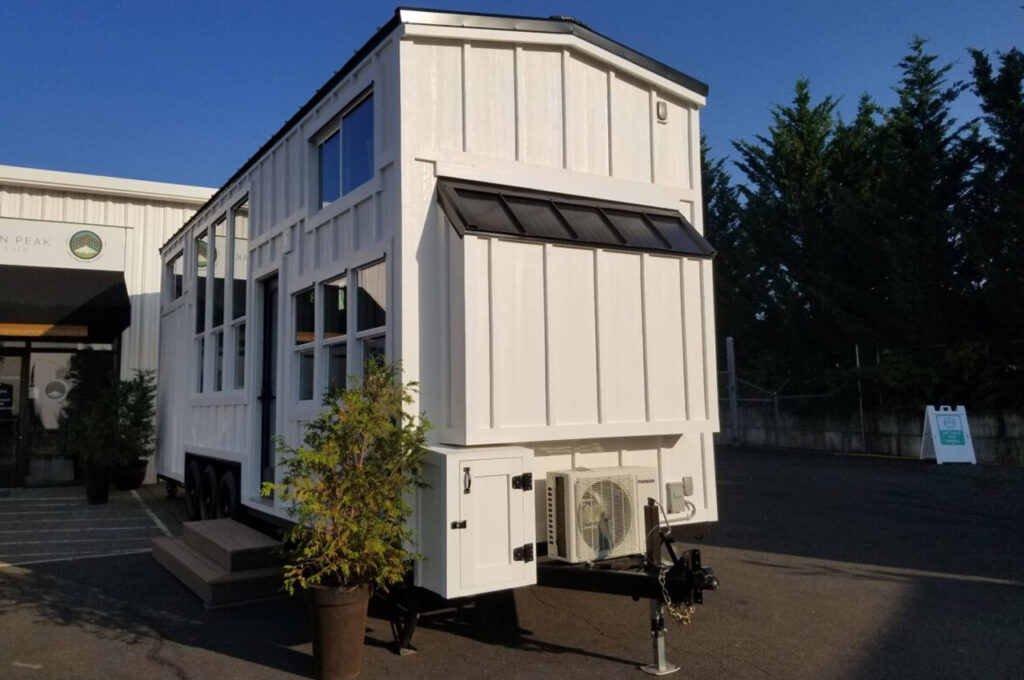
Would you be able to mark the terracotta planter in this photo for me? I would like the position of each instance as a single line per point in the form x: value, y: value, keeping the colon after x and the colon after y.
x: 97, y: 484
x: 130, y: 477
x: 339, y: 629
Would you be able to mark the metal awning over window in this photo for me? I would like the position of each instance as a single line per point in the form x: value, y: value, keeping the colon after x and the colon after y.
x: 475, y: 207
x: 51, y: 302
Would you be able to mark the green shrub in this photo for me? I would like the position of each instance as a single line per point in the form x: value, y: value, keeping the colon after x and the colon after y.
x: 348, y: 485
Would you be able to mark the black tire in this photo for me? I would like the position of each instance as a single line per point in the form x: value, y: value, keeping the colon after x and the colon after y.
x: 193, y: 484
x: 208, y: 494
x: 227, y: 501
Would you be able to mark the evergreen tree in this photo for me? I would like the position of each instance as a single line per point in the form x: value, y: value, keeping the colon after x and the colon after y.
x: 997, y: 238
x: 925, y: 164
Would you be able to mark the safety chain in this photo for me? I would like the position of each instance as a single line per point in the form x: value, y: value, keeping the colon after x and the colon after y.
x: 683, y: 615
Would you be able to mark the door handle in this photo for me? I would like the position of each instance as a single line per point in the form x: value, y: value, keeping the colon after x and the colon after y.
x: 467, y: 480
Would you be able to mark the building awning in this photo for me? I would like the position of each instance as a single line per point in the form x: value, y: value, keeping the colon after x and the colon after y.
x: 513, y: 212
x: 51, y: 302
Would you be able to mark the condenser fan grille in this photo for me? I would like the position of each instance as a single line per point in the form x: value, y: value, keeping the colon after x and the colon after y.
x: 604, y: 515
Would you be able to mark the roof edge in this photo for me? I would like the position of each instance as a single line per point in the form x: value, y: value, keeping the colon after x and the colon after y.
x: 59, y: 180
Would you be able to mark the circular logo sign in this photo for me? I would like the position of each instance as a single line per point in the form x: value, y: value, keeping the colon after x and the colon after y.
x: 55, y: 390
x: 85, y: 245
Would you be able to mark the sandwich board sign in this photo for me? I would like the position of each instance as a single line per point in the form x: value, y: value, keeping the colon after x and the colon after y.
x: 947, y: 436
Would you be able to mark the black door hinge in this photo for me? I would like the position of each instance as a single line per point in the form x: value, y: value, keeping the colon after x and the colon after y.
x: 523, y: 481
x: 523, y: 554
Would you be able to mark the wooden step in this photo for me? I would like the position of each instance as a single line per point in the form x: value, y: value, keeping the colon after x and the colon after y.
x: 231, y: 544
x: 211, y: 581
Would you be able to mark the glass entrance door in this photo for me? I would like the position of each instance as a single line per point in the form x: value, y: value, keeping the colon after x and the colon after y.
x: 46, y: 443
x: 12, y: 426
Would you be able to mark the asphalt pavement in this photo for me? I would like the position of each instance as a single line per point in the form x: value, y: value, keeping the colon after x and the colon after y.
x: 844, y: 567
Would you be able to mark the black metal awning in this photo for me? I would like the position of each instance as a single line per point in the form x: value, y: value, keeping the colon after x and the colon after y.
x: 83, y: 304
x: 475, y: 207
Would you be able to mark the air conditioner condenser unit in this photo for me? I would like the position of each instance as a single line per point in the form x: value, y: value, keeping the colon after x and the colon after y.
x: 596, y: 514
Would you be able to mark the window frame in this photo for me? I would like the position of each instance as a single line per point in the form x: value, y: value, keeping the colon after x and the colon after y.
x: 335, y: 127
x: 237, y: 326
x: 219, y: 350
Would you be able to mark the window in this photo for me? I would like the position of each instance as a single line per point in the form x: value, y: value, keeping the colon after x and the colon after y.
x: 174, y: 277
x: 305, y: 337
x: 371, y: 311
x: 335, y: 316
x: 218, y: 361
x: 221, y: 266
x: 357, y: 146
x: 322, y: 321
x: 238, y: 274
x: 330, y: 169
x: 345, y: 153
x: 200, y: 360
x: 372, y: 297
x: 200, y: 260
x: 218, y: 256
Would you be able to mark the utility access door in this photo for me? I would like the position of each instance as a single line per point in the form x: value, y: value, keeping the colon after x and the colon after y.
x: 493, y: 536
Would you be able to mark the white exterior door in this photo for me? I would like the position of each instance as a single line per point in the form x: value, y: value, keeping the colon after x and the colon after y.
x: 493, y: 512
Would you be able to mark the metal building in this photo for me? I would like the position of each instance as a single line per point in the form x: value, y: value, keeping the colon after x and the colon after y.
x: 79, y: 268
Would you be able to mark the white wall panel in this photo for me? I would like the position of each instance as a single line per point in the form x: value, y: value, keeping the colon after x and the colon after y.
x: 671, y: 146
x: 518, y: 334
x: 663, y: 333
x: 435, y: 95
x: 630, y: 130
x: 572, y: 335
x: 490, y: 104
x: 478, y: 333
x: 696, y: 399
x: 540, y: 102
x: 620, y: 335
x: 586, y: 112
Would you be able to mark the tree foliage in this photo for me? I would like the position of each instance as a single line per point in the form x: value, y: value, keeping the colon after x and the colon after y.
x: 348, y: 485
x: 896, y: 231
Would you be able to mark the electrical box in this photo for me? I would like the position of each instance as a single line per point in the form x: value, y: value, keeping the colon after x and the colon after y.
x: 475, y: 520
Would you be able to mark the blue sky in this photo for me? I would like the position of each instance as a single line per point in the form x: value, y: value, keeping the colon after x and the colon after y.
x: 185, y: 92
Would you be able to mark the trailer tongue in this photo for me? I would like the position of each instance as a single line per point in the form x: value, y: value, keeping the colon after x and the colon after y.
x: 672, y: 586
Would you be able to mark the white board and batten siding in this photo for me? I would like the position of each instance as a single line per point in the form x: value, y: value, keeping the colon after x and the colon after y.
x: 301, y: 243
x: 606, y: 356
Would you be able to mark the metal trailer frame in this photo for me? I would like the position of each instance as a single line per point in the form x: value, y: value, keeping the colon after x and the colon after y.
x: 675, y: 586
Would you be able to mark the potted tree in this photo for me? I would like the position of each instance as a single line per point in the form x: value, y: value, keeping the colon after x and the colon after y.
x: 348, y: 487
x: 90, y: 419
x: 136, y: 407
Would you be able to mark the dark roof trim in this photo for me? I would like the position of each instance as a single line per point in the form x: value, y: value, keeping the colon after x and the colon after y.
x: 527, y: 214
x: 568, y: 25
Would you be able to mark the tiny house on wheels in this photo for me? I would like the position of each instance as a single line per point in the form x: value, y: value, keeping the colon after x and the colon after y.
x: 511, y: 207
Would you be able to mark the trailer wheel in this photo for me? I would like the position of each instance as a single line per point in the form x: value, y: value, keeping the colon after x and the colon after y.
x: 227, y: 502
x: 193, y: 482
x: 208, y: 493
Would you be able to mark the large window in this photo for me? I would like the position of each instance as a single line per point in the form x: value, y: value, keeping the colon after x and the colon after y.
x: 345, y: 152
x: 328, y: 329
x: 221, y: 258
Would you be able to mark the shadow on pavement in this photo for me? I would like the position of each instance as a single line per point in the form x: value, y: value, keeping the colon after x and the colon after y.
x: 131, y: 599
